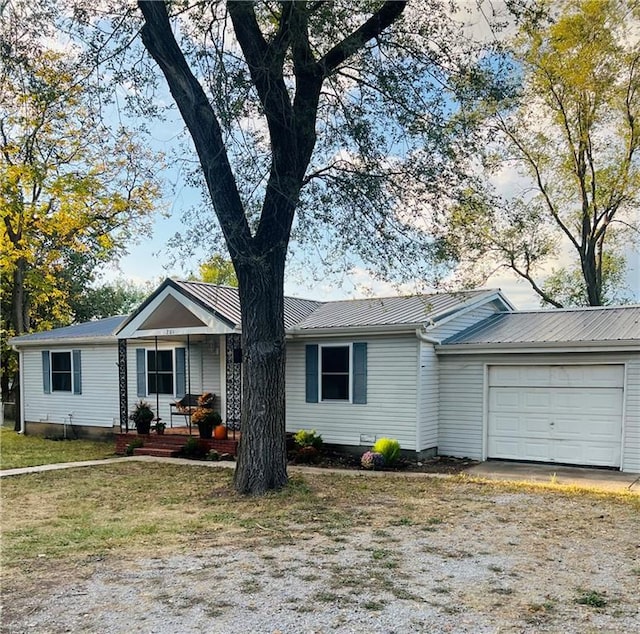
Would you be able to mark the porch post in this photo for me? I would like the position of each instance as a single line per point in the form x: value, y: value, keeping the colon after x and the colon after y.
x: 122, y: 385
x: 234, y: 380
x: 189, y: 376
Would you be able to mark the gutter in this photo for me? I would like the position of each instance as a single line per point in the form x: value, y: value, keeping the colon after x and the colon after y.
x: 16, y: 344
x: 539, y: 347
x: 422, y: 336
x: 383, y: 329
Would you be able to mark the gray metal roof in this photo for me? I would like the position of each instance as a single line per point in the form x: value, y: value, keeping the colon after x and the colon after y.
x: 583, y: 325
x: 387, y: 311
x: 224, y: 300
x: 101, y: 328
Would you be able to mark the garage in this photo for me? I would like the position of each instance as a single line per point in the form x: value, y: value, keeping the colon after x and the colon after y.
x: 556, y: 413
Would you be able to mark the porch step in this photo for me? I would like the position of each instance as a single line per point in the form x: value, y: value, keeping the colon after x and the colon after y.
x: 161, y: 452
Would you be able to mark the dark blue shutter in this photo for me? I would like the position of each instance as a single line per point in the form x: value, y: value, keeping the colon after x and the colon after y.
x: 311, y: 370
x: 181, y: 372
x: 77, y: 372
x: 141, y: 371
x: 360, y: 373
x: 46, y: 372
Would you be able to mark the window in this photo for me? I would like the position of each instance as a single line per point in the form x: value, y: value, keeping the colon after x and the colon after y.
x: 61, y: 374
x: 335, y: 365
x: 336, y: 372
x: 160, y: 370
x: 62, y: 371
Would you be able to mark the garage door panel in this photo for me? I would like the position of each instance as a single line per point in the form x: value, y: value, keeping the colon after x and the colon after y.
x: 579, y: 376
x: 603, y: 455
x: 561, y: 422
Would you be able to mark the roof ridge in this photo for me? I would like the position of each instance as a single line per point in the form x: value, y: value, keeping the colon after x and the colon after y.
x: 235, y: 288
x: 572, y: 309
x: 474, y: 291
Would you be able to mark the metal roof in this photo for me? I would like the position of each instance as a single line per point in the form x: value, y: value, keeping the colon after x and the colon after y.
x: 387, y: 311
x: 224, y: 300
x: 101, y: 328
x: 580, y: 325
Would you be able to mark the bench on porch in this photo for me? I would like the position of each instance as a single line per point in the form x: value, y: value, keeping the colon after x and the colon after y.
x: 189, y: 403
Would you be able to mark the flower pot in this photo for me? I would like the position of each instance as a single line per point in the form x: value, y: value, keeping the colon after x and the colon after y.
x: 220, y: 432
x: 143, y: 426
x: 206, y: 431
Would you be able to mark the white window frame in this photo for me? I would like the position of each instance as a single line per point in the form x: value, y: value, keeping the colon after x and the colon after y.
x: 320, y: 373
x: 70, y: 353
x: 173, y: 371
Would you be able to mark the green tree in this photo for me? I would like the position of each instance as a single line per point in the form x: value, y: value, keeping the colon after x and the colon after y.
x: 573, y: 131
x: 73, y: 192
x: 322, y: 119
x: 218, y: 270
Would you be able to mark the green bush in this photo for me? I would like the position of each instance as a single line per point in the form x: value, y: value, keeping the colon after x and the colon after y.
x: 308, y: 438
x: 134, y: 444
x: 194, y: 449
x: 389, y: 448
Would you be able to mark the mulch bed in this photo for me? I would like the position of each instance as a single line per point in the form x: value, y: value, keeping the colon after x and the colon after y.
x: 334, y: 459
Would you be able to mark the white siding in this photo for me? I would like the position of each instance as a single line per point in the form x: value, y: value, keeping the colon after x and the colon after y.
x: 461, y: 406
x: 462, y: 398
x: 428, y: 396
x: 631, y: 443
x: 458, y: 324
x: 97, y: 406
x: 203, y: 367
x: 391, y: 408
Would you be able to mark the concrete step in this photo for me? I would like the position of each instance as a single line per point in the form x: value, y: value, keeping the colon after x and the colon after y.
x: 161, y: 452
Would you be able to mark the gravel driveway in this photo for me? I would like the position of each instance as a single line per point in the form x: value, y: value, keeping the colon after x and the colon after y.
x: 497, y: 566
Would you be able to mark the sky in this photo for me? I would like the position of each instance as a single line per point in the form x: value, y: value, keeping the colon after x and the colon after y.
x: 152, y: 259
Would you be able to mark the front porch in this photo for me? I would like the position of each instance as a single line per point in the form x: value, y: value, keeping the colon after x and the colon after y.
x: 171, y: 443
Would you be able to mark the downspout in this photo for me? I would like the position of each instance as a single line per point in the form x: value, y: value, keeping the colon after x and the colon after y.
x: 423, y: 337
x: 420, y: 334
x: 21, y: 412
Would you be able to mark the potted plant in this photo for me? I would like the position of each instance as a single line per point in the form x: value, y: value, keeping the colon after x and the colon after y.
x: 142, y: 415
x: 159, y: 427
x: 206, y: 420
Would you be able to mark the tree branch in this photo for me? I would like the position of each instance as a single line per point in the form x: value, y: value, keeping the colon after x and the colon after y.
x: 199, y: 117
x: 374, y: 26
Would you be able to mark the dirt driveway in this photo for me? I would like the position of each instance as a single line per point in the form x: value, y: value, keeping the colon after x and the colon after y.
x: 340, y: 554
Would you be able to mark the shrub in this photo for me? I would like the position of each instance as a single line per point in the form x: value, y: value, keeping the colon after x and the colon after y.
x: 308, y: 438
x: 307, y: 454
x: 194, y: 449
x: 372, y: 460
x: 136, y: 442
x: 389, y: 448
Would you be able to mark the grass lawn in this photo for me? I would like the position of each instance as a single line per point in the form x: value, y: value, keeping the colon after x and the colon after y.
x: 509, y: 555
x: 18, y: 450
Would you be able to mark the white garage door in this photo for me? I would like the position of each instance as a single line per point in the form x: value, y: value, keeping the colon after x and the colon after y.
x: 556, y: 413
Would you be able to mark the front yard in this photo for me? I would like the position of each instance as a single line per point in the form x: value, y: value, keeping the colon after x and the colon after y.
x: 169, y: 548
x: 18, y: 450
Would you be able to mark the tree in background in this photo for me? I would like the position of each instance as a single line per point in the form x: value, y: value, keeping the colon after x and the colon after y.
x: 573, y: 130
x: 218, y: 270
x: 73, y: 192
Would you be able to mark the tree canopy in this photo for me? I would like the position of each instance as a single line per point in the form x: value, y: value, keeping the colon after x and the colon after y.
x: 572, y: 134
x: 74, y: 189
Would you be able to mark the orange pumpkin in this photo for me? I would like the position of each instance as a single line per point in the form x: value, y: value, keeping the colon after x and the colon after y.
x: 220, y: 432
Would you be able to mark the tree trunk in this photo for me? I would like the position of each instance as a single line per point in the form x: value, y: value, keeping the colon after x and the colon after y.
x: 591, y: 276
x: 262, y: 457
x: 20, y: 317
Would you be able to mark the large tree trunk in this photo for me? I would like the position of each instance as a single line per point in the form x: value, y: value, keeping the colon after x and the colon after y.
x: 262, y: 458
